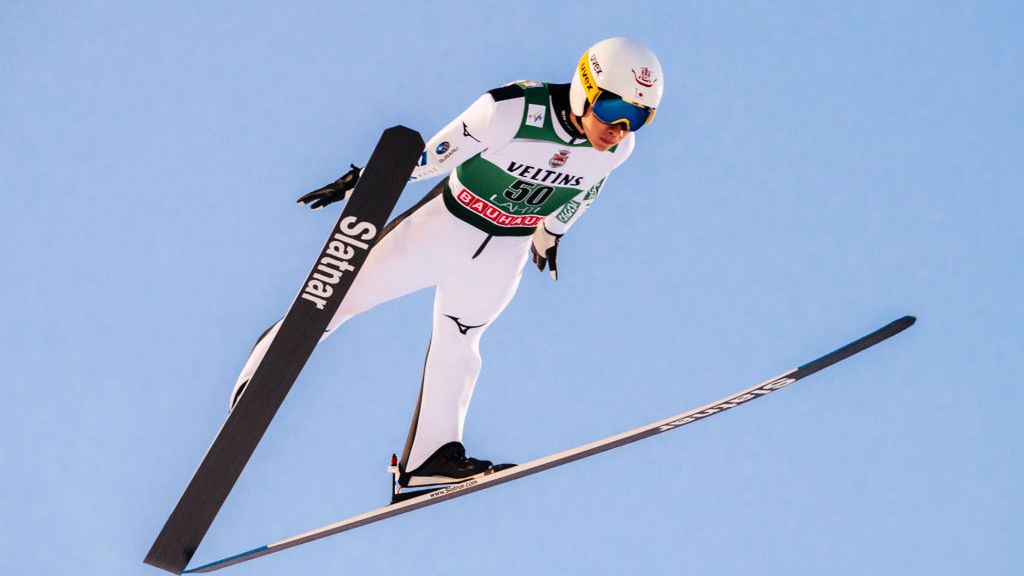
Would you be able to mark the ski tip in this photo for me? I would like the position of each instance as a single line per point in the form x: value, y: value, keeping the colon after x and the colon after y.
x: 884, y: 333
x: 891, y: 329
x: 904, y: 323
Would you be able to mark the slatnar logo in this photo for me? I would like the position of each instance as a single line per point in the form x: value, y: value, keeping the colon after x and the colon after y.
x: 731, y: 402
x: 334, y: 260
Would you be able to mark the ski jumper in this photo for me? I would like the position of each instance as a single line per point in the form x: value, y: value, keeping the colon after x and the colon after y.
x: 515, y: 162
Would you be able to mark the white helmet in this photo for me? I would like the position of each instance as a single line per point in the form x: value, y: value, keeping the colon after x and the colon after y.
x: 622, y: 66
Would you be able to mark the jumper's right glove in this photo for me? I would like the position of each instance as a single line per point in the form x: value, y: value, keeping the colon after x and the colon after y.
x: 340, y: 189
x: 545, y: 250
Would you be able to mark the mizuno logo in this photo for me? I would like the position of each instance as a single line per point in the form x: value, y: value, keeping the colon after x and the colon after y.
x: 465, y: 132
x: 463, y: 328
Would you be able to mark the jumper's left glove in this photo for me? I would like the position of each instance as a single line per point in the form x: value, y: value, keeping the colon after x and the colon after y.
x: 340, y: 189
x: 545, y: 250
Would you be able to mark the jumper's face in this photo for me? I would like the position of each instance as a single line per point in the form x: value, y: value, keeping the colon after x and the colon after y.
x: 602, y: 136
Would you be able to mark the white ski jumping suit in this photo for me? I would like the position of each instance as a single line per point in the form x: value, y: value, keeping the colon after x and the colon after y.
x: 518, y: 164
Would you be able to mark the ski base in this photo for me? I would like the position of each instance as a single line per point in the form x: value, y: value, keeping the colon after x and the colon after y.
x: 421, y: 498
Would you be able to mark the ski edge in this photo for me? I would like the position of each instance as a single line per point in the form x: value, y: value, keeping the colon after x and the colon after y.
x: 573, y: 454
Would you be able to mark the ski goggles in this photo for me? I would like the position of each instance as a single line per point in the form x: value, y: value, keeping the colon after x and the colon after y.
x: 610, y: 108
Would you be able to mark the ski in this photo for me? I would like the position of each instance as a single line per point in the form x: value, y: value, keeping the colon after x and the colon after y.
x: 480, y: 483
x: 358, y: 228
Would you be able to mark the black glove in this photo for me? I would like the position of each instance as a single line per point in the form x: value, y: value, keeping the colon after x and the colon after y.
x: 545, y: 250
x: 338, y: 190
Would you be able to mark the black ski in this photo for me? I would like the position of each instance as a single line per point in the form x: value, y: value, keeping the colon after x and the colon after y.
x: 358, y: 228
x: 425, y: 498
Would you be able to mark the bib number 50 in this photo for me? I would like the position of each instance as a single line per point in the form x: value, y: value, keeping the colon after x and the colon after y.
x: 532, y: 194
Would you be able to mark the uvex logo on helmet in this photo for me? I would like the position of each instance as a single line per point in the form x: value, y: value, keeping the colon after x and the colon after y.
x: 585, y: 77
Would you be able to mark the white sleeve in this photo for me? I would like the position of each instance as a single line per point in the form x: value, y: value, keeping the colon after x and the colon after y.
x: 484, y: 124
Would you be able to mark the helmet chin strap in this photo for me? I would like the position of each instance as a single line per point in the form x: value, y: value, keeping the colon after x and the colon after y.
x: 569, y: 120
x: 577, y: 123
x: 578, y: 120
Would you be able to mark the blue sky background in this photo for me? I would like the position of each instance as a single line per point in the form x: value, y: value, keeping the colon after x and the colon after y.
x: 815, y: 171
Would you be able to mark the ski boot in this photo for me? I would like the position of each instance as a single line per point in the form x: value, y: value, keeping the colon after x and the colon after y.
x: 448, y: 465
